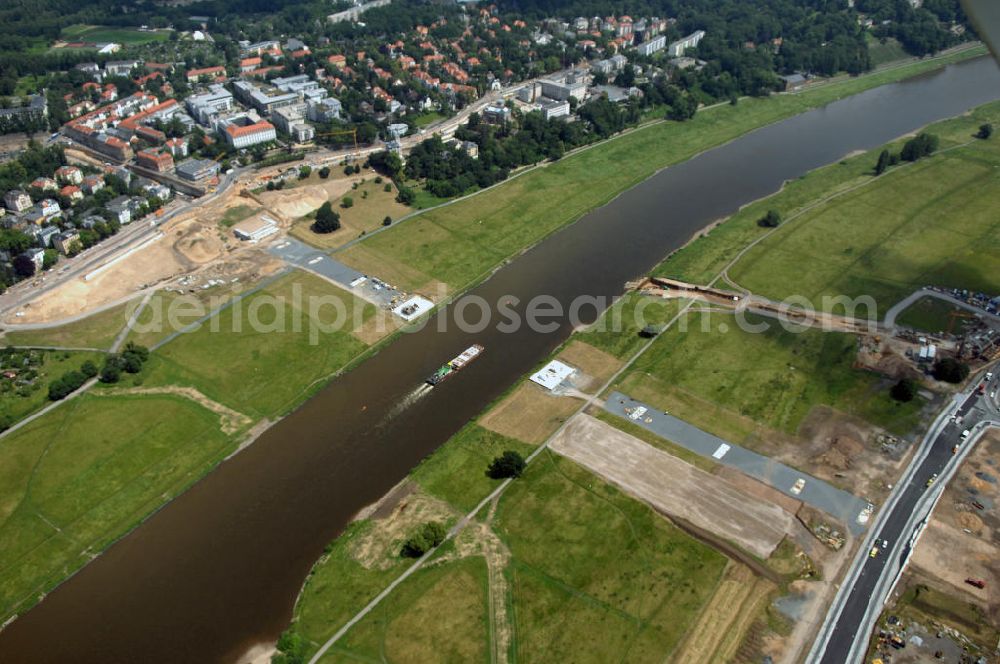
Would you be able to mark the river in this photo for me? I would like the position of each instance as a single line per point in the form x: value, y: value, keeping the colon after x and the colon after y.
x: 218, y: 569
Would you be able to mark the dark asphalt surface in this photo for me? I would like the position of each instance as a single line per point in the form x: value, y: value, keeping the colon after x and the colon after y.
x: 973, y: 409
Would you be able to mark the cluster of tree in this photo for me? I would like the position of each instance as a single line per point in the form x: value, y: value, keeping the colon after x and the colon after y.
x: 920, y: 146
x: 950, y: 370
x: 34, y: 161
x: 71, y: 381
x: 327, y: 219
x: 426, y: 538
x: 129, y: 360
x: 508, y: 464
x: 985, y: 131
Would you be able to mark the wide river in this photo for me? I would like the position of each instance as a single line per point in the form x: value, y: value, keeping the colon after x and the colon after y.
x: 217, y: 570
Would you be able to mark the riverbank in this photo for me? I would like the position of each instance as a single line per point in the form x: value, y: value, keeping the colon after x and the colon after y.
x: 797, y: 414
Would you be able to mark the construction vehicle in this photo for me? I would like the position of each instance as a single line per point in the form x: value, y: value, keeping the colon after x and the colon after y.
x: 874, y: 552
x: 931, y: 480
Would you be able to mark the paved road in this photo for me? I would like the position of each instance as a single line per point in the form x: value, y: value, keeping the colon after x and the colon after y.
x: 815, y: 492
x: 844, y: 636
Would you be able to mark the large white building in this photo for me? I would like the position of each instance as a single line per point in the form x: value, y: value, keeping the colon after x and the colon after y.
x: 564, y: 87
x: 244, y: 136
x: 650, y: 47
x: 677, y: 48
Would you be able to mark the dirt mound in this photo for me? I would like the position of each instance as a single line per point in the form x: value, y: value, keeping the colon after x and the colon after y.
x: 841, y: 453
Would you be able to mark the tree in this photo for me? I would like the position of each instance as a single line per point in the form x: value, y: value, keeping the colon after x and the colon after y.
x: 950, y: 370
x: 883, y: 162
x: 985, y: 131
x: 921, y: 145
x: 904, y: 391
x: 508, y: 464
x: 405, y: 195
x: 23, y: 266
x: 111, y: 372
x: 49, y: 258
x: 65, y: 385
x: 347, y: 202
x: 426, y: 538
x: 324, y: 172
x: 387, y: 221
x: 327, y: 221
x: 88, y: 369
x: 770, y: 220
x: 304, y: 172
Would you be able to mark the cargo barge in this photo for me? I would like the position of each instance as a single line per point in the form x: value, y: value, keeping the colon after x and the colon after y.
x: 457, y: 364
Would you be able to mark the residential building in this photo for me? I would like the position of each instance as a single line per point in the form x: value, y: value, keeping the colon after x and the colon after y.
x: 120, y: 209
x: 92, y: 184
x: 16, y: 200
x: 324, y: 110
x: 177, y: 147
x: 48, y: 207
x: 157, y: 189
x: 677, y: 48
x: 496, y: 114
x: 196, y: 170
x: 121, y: 67
x: 72, y: 192
x: 37, y: 256
x: 354, y: 13
x: 45, y: 234
x: 44, y: 184
x: 249, y: 64
x: 155, y: 160
x: 243, y: 136
x: 69, y: 175
x: 65, y: 242
x: 657, y: 43
x: 215, y: 73
x: 36, y: 108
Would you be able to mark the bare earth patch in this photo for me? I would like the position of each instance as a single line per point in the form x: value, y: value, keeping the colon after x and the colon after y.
x: 379, y: 547
x: 598, y: 365
x: 690, y: 494
x: 725, y: 620
x: 529, y: 414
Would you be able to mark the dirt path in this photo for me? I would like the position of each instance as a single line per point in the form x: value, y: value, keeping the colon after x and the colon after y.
x: 230, y: 420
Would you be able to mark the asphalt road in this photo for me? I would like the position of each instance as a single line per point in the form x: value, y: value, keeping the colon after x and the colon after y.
x: 850, y: 630
x: 815, y: 492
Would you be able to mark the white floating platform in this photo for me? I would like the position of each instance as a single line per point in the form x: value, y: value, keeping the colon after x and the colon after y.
x: 552, y: 374
x: 413, y: 308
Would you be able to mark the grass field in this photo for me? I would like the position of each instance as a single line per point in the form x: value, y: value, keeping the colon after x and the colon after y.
x: 372, y: 204
x: 96, y: 331
x: 889, y: 51
x: 427, y: 118
x: 15, y: 407
x: 462, y: 243
x: 236, y: 214
x: 728, y: 381
x: 929, y: 314
x: 265, y: 371
x: 79, y: 477
x: 410, y: 625
x: 933, y: 222
x: 102, y: 34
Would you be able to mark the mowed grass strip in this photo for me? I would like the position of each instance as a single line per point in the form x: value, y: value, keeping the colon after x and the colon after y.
x: 264, y: 369
x: 79, y: 477
x: 95, y: 331
x: 461, y: 243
